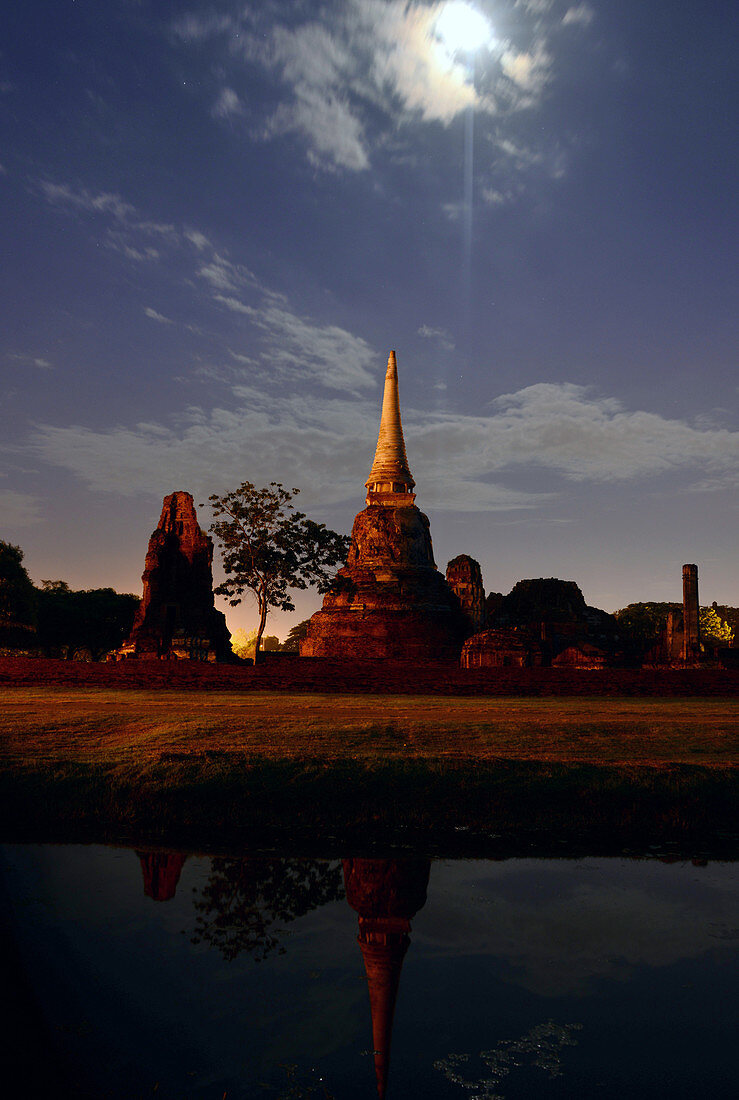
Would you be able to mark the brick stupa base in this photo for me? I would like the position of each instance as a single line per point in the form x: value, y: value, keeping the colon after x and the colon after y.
x: 389, y: 600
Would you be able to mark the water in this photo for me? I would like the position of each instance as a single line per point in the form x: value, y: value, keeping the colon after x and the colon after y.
x: 244, y: 978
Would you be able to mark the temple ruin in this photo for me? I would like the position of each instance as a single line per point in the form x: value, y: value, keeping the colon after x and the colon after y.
x: 543, y: 622
x: 691, y: 614
x: 389, y: 600
x: 464, y: 577
x: 177, y: 617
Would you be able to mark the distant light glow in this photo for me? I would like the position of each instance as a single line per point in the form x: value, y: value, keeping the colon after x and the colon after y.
x: 462, y: 28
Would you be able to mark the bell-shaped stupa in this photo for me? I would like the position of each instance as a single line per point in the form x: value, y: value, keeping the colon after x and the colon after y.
x: 389, y: 600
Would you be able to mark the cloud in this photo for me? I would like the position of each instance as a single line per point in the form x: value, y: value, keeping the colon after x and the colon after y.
x: 154, y: 316
x: 102, y: 203
x: 227, y: 104
x: 493, y: 197
x: 581, y: 14
x: 562, y: 427
x: 196, y: 28
x: 129, y: 234
x: 325, y: 445
x: 194, y: 236
x: 222, y: 274
x: 354, y: 77
x: 336, y: 136
x: 327, y: 353
x: 529, y: 71
x: 294, y: 347
x: 234, y: 304
x: 118, y: 243
x: 19, y: 509
x: 30, y: 360
x: 440, y: 335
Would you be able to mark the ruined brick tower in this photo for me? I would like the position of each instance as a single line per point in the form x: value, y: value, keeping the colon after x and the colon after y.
x: 177, y: 617
x: 691, y: 620
x: 389, y: 600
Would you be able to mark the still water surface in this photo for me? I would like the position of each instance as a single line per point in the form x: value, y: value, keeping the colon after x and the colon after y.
x: 175, y: 976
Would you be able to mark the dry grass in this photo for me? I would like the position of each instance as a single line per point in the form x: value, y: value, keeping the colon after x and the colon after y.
x: 96, y: 726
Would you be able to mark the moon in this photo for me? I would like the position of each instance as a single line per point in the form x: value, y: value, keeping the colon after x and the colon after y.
x: 461, y: 28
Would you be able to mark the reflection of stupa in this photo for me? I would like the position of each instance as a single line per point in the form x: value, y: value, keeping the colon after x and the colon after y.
x: 389, y: 600
x: 386, y: 893
x: 161, y: 871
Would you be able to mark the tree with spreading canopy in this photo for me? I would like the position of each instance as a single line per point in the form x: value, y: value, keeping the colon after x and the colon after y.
x: 270, y: 548
x: 713, y: 628
x: 18, y: 605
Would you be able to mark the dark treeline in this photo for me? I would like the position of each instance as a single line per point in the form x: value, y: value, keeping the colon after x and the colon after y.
x: 55, y: 619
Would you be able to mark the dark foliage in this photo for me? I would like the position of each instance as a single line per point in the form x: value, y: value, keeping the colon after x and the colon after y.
x: 642, y: 623
x: 270, y: 548
x: 17, y: 593
x: 295, y: 637
x: 96, y: 620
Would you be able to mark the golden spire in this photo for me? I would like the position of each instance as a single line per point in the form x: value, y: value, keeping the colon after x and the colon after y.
x: 390, y: 480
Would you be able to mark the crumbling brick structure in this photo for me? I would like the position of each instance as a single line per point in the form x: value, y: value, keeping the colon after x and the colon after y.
x: 691, y: 614
x: 389, y: 600
x: 177, y: 617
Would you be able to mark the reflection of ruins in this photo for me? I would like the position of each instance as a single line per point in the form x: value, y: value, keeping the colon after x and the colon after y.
x: 386, y: 893
x: 161, y: 871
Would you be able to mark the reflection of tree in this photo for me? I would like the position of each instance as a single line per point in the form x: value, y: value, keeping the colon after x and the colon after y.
x: 245, y: 901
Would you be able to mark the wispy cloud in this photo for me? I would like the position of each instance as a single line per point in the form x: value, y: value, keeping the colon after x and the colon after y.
x: 19, y: 509
x: 581, y: 14
x: 294, y: 347
x: 27, y: 360
x: 61, y: 194
x: 196, y: 28
x: 439, y: 335
x: 154, y: 316
x: 222, y: 274
x: 227, y: 104
x: 194, y: 236
x: 460, y: 461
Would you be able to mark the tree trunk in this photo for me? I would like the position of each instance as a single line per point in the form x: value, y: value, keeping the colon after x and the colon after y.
x: 260, y: 628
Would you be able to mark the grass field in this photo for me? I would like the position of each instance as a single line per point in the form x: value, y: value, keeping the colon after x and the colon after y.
x: 265, y: 767
x: 97, y: 725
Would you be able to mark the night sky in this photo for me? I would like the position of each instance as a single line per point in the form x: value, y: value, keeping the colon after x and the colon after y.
x: 216, y: 219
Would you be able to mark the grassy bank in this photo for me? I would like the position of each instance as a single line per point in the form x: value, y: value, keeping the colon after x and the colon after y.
x: 144, y: 765
x: 109, y: 726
